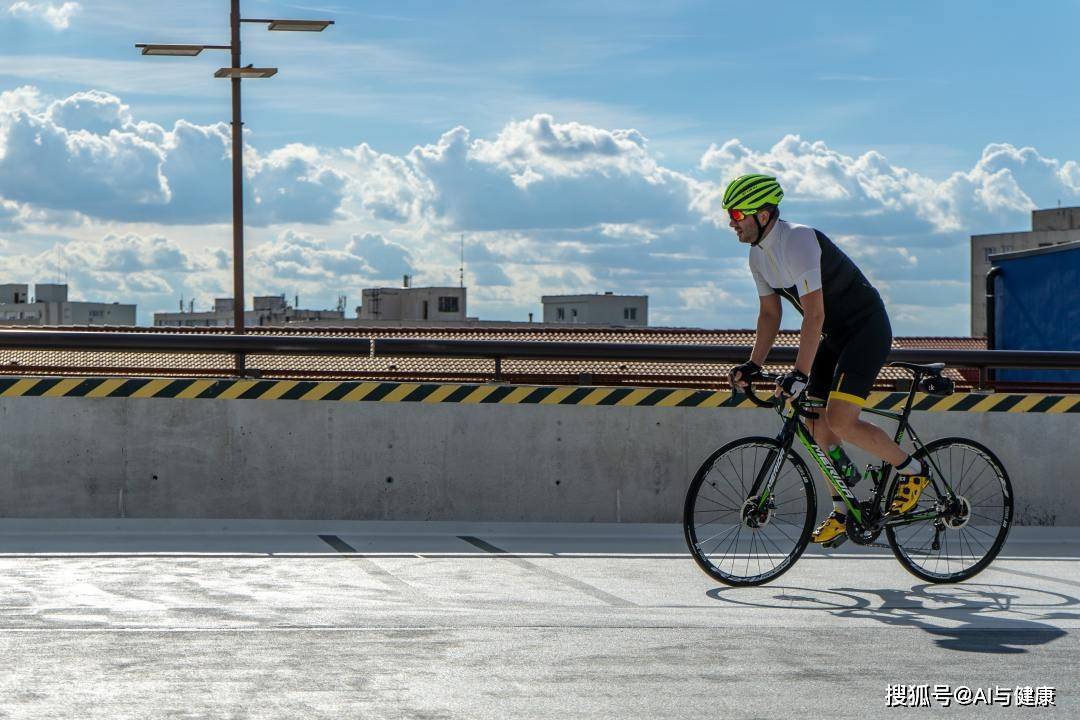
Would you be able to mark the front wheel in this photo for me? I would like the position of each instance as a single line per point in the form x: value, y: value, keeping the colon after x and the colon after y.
x: 733, y: 535
x: 958, y: 538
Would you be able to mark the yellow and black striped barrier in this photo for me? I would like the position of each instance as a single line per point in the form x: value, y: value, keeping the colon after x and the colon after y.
x: 399, y: 392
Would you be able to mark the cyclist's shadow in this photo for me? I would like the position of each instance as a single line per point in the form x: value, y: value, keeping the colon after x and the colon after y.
x: 966, y: 618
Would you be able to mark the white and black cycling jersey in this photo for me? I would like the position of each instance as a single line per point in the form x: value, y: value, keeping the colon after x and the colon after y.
x: 795, y: 260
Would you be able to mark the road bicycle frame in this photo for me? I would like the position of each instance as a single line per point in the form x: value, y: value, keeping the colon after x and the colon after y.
x: 793, y: 413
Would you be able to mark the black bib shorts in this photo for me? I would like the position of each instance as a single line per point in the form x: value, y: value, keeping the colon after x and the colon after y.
x: 848, y: 362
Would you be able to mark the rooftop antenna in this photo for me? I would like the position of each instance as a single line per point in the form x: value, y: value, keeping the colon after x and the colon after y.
x: 463, y: 260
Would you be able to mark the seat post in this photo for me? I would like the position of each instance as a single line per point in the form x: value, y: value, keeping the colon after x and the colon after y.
x: 916, y: 375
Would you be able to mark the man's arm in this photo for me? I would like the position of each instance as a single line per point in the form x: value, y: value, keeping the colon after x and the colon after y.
x: 813, y: 306
x: 768, y: 325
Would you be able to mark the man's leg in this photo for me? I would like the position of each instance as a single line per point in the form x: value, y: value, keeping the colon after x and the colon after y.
x: 843, y: 419
x: 823, y: 434
x: 861, y: 358
x: 821, y: 378
x: 831, y: 531
x: 857, y: 366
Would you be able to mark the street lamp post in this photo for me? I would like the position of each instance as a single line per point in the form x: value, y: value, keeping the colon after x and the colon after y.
x: 236, y: 73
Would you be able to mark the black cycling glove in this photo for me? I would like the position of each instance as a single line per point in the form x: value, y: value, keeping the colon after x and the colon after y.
x: 745, y: 371
x: 792, y: 384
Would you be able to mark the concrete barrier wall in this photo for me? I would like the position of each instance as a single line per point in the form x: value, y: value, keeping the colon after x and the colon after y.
x: 152, y: 458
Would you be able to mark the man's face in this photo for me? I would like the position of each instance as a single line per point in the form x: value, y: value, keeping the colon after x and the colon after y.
x: 747, y: 229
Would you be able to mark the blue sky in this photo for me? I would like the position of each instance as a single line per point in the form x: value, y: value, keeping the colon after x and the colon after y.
x: 578, y: 147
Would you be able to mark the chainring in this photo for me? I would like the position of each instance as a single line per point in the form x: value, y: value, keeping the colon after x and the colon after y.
x: 857, y: 532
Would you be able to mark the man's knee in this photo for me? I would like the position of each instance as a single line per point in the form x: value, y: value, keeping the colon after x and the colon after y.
x: 842, y: 417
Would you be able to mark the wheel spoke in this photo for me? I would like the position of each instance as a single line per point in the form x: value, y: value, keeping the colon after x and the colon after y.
x: 991, y: 494
x: 964, y: 550
x: 720, y: 492
x: 710, y: 539
x: 722, y: 507
x: 737, y: 474
x: 789, y: 538
x: 769, y: 549
x: 981, y: 531
x: 765, y: 536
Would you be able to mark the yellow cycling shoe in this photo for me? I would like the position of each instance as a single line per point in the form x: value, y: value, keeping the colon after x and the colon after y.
x: 907, y: 494
x: 832, y: 531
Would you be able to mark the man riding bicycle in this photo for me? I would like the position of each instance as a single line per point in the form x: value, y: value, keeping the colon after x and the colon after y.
x: 844, y: 340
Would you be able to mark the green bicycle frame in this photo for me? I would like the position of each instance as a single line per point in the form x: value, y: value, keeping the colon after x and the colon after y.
x: 794, y: 427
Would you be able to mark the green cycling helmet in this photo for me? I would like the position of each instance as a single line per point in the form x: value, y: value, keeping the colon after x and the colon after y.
x: 750, y: 192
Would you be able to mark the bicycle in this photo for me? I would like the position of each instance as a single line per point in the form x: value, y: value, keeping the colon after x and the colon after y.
x: 775, y: 502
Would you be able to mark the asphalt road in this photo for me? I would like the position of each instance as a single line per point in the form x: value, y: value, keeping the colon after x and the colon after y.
x: 208, y: 619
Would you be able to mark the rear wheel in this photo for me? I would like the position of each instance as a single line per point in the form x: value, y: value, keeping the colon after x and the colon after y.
x: 734, y: 537
x: 963, y: 536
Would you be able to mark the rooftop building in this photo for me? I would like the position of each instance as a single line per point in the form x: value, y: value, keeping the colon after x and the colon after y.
x: 50, y: 306
x: 269, y: 311
x: 606, y: 309
x: 413, y: 304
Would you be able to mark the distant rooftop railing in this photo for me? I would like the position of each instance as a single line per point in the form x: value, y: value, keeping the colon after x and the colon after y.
x: 601, y: 356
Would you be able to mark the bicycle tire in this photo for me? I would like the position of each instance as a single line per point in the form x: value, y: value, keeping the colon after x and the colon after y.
x: 915, y: 559
x: 798, y: 531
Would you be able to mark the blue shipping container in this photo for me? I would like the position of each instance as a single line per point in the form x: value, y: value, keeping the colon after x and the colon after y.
x: 1037, y: 306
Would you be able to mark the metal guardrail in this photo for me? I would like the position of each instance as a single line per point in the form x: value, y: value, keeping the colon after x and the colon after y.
x: 187, y: 343
x: 982, y: 360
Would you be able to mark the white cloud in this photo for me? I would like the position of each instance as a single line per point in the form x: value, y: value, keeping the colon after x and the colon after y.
x: 296, y: 257
x: 546, y: 207
x: 57, y: 16
x: 385, y: 259
x: 870, y: 191
x: 386, y: 186
x: 9, y: 215
x: 114, y: 268
x: 47, y: 165
x: 121, y: 255
x: 708, y: 297
x: 541, y: 174
x: 86, y: 153
x: 93, y: 111
x: 26, y: 98
x: 294, y: 185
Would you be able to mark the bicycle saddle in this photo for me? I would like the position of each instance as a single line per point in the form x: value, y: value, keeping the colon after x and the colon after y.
x: 932, y: 368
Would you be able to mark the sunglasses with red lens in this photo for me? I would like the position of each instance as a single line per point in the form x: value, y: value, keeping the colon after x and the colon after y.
x: 740, y: 215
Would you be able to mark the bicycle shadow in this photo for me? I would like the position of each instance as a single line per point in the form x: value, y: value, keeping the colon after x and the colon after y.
x: 993, y: 619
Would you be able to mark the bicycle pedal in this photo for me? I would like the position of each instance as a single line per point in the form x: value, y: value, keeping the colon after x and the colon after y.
x: 835, y: 542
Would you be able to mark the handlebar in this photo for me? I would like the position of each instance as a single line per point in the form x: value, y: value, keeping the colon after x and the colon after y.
x: 772, y: 402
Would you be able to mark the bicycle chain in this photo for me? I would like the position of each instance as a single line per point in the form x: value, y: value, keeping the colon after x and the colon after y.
x: 883, y: 546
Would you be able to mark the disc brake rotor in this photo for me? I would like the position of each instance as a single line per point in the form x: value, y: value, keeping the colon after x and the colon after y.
x: 958, y: 514
x: 754, y: 517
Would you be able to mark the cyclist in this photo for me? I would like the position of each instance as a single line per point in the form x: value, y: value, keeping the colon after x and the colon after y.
x: 843, y: 343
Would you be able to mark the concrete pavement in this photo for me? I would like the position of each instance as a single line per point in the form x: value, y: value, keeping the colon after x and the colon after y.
x: 304, y: 619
